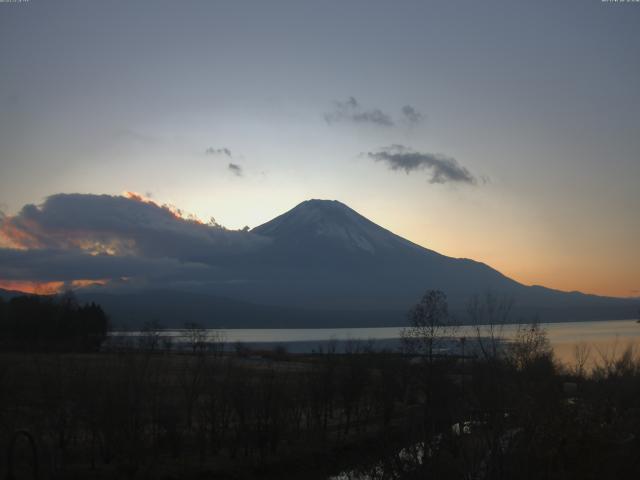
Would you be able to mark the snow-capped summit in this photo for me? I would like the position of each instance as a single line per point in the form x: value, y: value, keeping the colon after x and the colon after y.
x: 329, y: 222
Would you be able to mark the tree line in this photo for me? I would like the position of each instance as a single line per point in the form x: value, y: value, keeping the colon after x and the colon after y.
x: 51, y: 323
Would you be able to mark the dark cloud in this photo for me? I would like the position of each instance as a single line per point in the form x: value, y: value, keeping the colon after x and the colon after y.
x: 375, y: 116
x: 47, y: 265
x: 351, y: 111
x: 235, y: 168
x: 218, y: 151
x: 443, y: 169
x: 119, y: 225
x: 107, y: 238
x: 411, y: 115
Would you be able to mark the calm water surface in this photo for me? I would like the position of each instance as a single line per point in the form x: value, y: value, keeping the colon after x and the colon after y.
x: 603, y: 337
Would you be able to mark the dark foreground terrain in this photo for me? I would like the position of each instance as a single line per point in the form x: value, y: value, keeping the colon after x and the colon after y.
x: 73, y: 405
x: 206, y: 414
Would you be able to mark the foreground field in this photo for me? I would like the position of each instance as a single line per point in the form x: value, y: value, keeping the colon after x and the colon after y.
x: 208, y: 414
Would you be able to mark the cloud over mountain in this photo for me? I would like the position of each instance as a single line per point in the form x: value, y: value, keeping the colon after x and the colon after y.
x: 117, y: 225
x: 442, y: 168
x: 50, y: 265
x: 73, y: 236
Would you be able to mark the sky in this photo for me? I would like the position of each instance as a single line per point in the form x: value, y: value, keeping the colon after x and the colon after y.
x: 502, y: 131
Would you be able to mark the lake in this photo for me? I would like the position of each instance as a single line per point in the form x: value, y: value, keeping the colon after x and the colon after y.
x: 604, y: 338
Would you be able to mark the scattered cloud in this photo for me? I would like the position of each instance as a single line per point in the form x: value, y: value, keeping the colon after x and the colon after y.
x: 219, y: 151
x: 411, y: 115
x: 351, y: 111
x: 235, y: 169
x: 442, y: 168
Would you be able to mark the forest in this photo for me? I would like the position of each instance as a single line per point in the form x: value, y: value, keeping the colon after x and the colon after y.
x: 51, y: 323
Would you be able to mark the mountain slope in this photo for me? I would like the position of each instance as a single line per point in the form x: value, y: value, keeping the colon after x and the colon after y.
x: 324, y: 254
x: 327, y: 255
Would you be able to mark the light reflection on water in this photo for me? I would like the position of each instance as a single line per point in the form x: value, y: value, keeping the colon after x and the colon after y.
x: 604, y: 337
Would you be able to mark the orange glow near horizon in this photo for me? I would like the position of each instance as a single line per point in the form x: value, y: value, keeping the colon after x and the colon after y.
x: 12, y: 236
x: 38, y: 288
x: 602, y: 275
x: 598, y: 264
x: 578, y: 278
x: 47, y: 288
x: 86, y: 282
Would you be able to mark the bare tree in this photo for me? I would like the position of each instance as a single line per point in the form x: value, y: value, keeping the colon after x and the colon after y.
x: 489, y: 315
x: 216, y: 342
x: 430, y: 329
x: 581, y: 354
x: 613, y: 364
x: 531, y: 343
x: 196, y: 336
x: 430, y: 325
x: 149, y: 339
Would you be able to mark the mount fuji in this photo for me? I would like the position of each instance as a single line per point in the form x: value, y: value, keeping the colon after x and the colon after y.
x: 323, y: 264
